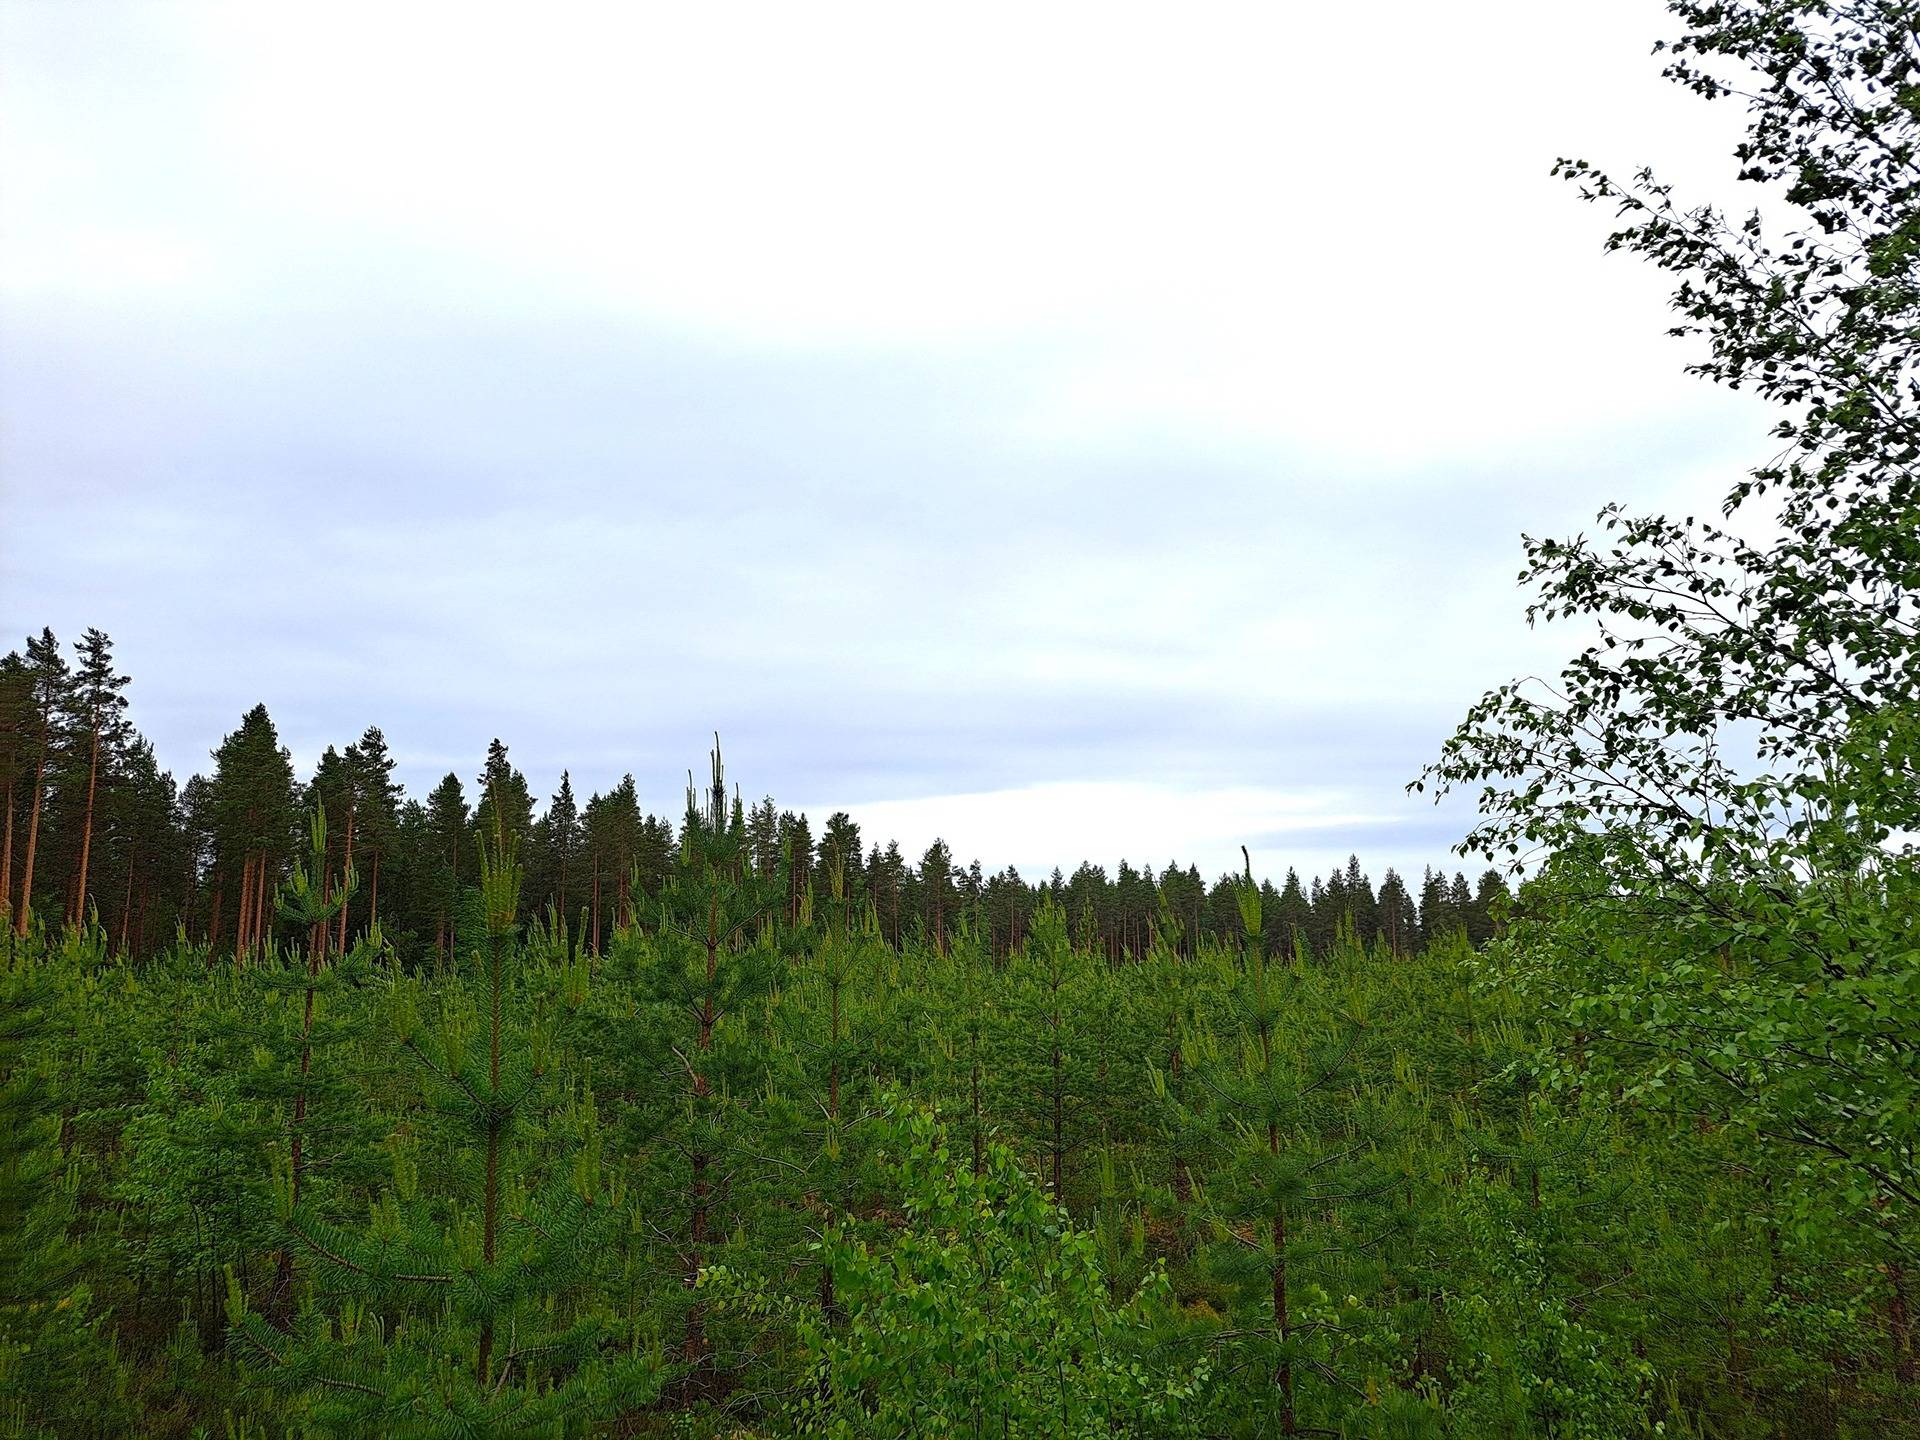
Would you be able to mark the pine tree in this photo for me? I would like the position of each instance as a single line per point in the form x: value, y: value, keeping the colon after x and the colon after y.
x: 377, y: 798
x: 252, y: 803
x: 99, y: 726
x: 1293, y: 918
x: 936, y: 893
x: 1290, y: 1148
x: 445, y: 832
x: 1399, y: 921
x: 1438, y: 918
x: 839, y: 846
x: 709, y: 961
x: 48, y: 683
x: 1490, y: 900
x: 469, y: 1320
x: 16, y: 717
x: 558, y: 844
x: 795, y: 836
x: 502, y: 791
x: 314, y: 895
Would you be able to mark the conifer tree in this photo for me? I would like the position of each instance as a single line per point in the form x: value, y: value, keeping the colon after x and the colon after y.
x: 144, y: 826
x: 706, y: 964
x: 377, y: 800
x: 839, y: 846
x: 100, y: 728
x: 936, y: 893
x: 621, y: 822
x: 470, y: 1321
x: 48, y: 682
x: 445, y: 833
x: 503, y: 792
x: 1290, y: 1147
x: 1490, y: 899
x: 16, y: 714
x: 252, y: 802
x: 827, y: 1044
x: 1438, y: 918
x: 795, y: 836
x: 1399, y: 921
x: 309, y: 903
x: 763, y: 836
x: 557, y: 846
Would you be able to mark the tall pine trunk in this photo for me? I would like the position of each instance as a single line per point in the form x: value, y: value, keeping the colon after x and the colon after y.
x: 346, y: 868
x: 33, y: 836
x: 86, y: 826
x: 126, y: 903
x: 246, y: 904
x: 262, y: 921
x: 6, y: 850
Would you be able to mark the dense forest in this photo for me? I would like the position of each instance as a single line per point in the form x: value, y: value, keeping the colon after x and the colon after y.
x: 330, y: 1111
x: 96, y: 832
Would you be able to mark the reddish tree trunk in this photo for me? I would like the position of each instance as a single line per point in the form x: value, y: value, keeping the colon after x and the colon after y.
x: 240, y: 932
x: 86, y: 827
x: 6, y: 851
x: 346, y: 865
x: 33, y: 837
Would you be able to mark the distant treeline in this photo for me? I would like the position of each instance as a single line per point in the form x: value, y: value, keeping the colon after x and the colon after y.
x: 94, y: 825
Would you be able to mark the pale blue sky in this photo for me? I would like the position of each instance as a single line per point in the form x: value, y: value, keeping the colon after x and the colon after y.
x: 1086, y: 431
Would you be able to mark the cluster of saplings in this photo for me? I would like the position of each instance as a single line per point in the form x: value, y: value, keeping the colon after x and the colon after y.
x: 94, y: 830
x: 753, y: 1169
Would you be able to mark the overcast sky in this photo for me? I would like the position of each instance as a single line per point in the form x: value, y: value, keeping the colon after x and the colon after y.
x: 1081, y: 431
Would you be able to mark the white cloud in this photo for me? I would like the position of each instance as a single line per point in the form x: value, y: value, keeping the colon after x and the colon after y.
x: 1035, y: 826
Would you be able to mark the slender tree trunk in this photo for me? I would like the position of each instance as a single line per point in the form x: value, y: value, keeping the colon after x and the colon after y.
x: 346, y: 865
x: 596, y: 904
x: 126, y: 904
x: 86, y: 826
x: 6, y: 851
x: 373, y: 893
x: 262, y: 916
x: 240, y: 933
x: 33, y: 837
